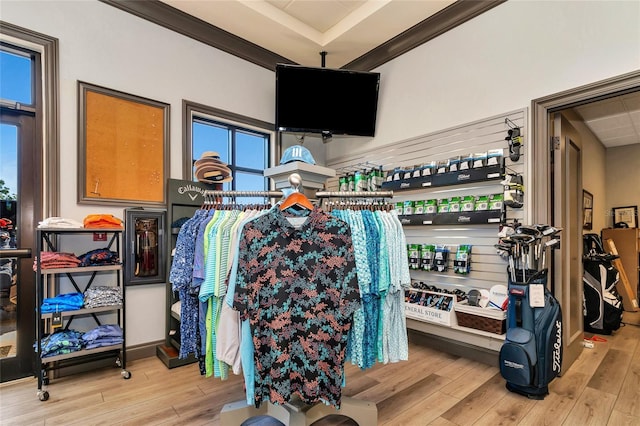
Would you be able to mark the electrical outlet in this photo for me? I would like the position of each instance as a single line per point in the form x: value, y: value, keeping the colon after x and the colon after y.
x: 99, y: 236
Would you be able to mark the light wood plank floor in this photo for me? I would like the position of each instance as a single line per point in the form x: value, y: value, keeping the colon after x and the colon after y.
x: 432, y: 388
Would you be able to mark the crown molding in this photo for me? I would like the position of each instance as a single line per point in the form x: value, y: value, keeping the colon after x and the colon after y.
x: 448, y: 18
x: 169, y: 17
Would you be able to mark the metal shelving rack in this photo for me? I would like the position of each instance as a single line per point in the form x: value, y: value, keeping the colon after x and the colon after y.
x: 47, y: 285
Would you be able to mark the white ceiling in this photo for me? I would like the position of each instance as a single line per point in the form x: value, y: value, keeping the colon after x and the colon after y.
x: 615, y: 121
x: 300, y: 29
x: 347, y: 29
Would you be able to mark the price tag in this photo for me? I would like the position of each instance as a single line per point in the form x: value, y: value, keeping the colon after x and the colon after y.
x: 536, y: 295
x: 56, y: 320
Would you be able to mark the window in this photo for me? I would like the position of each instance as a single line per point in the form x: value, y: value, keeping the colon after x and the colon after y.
x: 15, y: 75
x: 243, y: 143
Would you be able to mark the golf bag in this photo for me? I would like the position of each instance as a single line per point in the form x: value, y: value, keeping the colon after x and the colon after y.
x: 602, y: 304
x: 531, y: 355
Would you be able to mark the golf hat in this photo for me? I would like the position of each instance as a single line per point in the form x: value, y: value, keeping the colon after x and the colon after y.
x: 209, y: 169
x: 297, y: 153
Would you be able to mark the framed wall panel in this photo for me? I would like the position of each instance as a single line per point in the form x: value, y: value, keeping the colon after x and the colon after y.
x: 123, y: 147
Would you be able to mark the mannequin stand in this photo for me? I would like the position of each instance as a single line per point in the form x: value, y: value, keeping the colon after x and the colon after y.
x: 297, y: 413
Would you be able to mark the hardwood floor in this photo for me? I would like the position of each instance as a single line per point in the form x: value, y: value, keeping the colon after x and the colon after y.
x: 432, y: 388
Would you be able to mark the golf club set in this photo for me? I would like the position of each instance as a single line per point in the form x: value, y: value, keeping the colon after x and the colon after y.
x: 525, y: 248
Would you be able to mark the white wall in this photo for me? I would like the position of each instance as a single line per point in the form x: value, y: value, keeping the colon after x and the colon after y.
x: 623, y: 178
x: 102, y: 45
x: 498, y: 62
x: 593, y: 171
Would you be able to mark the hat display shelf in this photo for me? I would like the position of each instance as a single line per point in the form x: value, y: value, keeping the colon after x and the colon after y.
x: 313, y: 177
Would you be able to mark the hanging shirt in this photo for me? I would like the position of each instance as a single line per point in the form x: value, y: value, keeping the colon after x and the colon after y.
x: 298, y: 289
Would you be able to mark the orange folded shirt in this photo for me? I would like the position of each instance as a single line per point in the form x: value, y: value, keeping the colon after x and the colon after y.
x: 102, y: 221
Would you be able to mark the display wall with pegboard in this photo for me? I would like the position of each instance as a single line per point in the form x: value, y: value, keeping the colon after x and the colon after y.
x: 479, y: 179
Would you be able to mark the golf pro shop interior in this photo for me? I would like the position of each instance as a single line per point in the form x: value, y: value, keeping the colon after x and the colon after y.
x: 565, y: 74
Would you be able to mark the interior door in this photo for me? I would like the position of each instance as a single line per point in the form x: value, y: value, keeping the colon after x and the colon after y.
x: 20, y: 167
x: 567, y: 214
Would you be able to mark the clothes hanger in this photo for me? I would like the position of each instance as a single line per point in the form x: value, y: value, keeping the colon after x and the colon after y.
x: 296, y: 198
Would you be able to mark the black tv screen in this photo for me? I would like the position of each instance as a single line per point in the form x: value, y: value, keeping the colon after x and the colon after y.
x: 325, y: 100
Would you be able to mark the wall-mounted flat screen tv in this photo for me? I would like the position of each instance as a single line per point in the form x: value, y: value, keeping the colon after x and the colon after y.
x: 326, y: 101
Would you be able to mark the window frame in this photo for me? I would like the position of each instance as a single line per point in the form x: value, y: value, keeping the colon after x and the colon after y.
x: 227, y: 119
x: 34, y: 60
x: 47, y: 100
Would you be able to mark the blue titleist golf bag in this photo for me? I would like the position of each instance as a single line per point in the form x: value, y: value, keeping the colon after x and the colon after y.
x: 532, y: 352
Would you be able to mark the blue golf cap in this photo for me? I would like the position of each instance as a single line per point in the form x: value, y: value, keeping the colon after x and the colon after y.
x: 297, y: 153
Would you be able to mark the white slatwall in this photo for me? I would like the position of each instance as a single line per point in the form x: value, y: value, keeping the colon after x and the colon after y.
x: 487, y: 268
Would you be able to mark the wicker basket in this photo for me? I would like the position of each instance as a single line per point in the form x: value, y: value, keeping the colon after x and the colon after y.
x: 490, y: 320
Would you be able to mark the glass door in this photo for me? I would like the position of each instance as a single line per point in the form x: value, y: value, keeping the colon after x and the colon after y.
x: 17, y: 283
x: 20, y: 209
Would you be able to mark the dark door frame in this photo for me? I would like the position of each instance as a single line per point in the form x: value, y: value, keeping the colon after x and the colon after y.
x: 28, y: 152
x: 543, y: 109
x: 541, y: 137
x: 44, y: 159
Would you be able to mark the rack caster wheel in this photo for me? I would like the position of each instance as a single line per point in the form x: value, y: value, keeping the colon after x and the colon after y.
x: 126, y: 374
x: 43, y: 395
x: 118, y: 363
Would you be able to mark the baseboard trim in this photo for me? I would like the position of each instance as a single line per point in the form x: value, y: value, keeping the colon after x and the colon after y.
x: 144, y: 350
x: 454, y: 347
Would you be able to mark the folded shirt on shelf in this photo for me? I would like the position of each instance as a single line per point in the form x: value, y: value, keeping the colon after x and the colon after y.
x: 56, y: 259
x: 103, y: 335
x: 99, y: 257
x: 102, y: 221
x: 102, y: 296
x: 59, y: 222
x: 62, y: 302
x: 61, y: 342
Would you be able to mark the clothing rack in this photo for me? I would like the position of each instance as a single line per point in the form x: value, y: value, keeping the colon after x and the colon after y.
x: 354, y: 194
x: 296, y: 413
x: 220, y: 193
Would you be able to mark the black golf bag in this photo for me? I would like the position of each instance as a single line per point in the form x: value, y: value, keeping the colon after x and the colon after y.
x: 531, y: 355
x: 602, y: 304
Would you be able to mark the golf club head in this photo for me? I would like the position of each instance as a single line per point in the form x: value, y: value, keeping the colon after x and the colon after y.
x: 552, y: 243
x: 548, y: 230
x: 529, y: 230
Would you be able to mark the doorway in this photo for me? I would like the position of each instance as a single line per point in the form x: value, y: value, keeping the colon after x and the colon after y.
x: 30, y: 190
x: 545, y: 198
x: 17, y: 293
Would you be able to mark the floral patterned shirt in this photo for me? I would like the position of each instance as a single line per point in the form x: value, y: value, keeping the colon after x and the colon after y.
x: 298, y: 288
